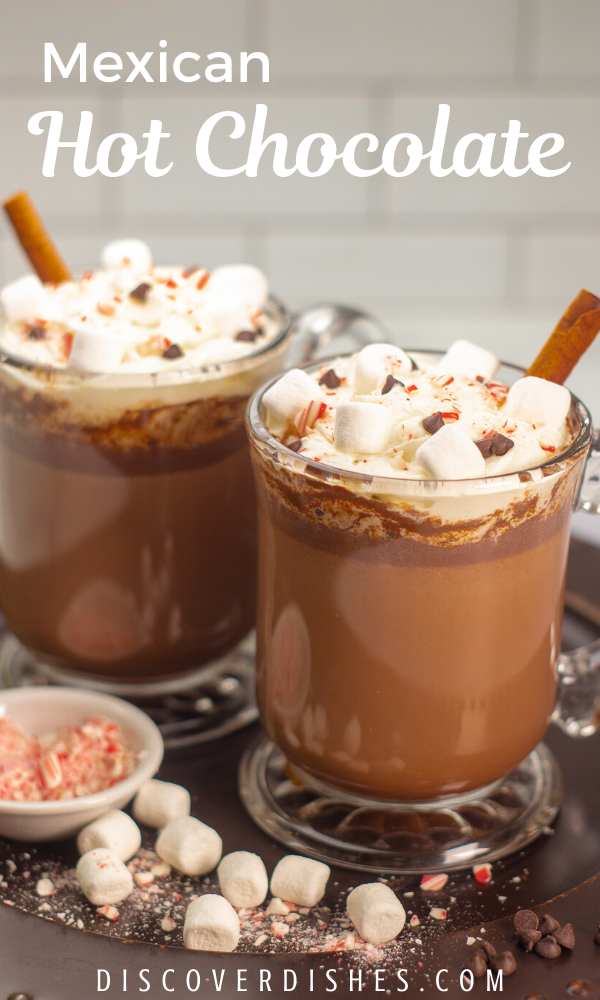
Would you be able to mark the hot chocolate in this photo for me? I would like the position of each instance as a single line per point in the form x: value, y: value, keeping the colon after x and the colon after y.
x: 127, y: 518
x: 414, y: 518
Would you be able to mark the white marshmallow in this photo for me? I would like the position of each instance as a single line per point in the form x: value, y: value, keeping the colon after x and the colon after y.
x: 103, y: 877
x: 289, y: 395
x: 299, y: 880
x: 538, y: 401
x: 115, y: 830
x: 189, y: 845
x: 373, y: 364
x: 25, y: 299
x: 451, y: 454
x: 464, y: 358
x: 230, y: 315
x: 211, y: 924
x: 134, y: 254
x: 243, y: 879
x: 362, y: 427
x: 376, y: 912
x: 158, y: 802
x: 240, y: 282
x: 97, y: 350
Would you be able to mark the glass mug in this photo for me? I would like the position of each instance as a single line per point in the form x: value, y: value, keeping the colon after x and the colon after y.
x: 408, y: 654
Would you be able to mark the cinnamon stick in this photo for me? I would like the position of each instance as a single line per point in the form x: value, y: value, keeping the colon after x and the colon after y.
x: 571, y: 337
x: 35, y: 240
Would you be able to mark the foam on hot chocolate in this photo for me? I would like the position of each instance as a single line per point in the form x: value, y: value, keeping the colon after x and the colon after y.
x: 381, y: 432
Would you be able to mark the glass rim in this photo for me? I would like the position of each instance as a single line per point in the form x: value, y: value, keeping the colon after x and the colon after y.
x: 203, y: 373
x: 258, y: 430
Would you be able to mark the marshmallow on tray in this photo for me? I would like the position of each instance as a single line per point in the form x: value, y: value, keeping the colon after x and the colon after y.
x: 189, y: 845
x: 464, y: 358
x: 374, y: 363
x: 289, y: 395
x: 211, y: 924
x: 243, y: 879
x: 103, y: 877
x: 451, y: 454
x: 538, y: 401
x: 114, y: 830
x: 363, y: 428
x: 127, y: 253
x: 376, y: 912
x: 158, y: 802
x: 299, y: 880
x: 24, y: 299
x: 97, y: 350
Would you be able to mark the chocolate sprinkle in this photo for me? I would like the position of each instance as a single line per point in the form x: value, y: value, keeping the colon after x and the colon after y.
x: 548, y: 925
x: 565, y: 936
x: 250, y: 335
x: 579, y: 988
x: 389, y: 384
x: 36, y: 332
x: 504, y: 963
x: 141, y: 292
x: 501, y: 444
x: 485, y: 447
x: 547, y: 947
x: 172, y: 352
x: 525, y: 920
x: 330, y: 379
x: 433, y: 423
x: 476, y: 963
x: 295, y: 445
x: 528, y: 939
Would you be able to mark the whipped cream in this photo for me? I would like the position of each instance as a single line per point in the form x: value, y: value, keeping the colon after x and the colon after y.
x: 138, y: 317
x: 494, y: 439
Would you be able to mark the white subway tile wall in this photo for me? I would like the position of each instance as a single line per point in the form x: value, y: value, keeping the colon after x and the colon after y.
x: 494, y: 259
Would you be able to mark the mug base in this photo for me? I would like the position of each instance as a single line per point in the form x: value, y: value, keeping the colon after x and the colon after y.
x: 202, y: 705
x: 404, y: 837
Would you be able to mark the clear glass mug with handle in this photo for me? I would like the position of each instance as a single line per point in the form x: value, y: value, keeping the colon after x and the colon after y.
x: 408, y: 656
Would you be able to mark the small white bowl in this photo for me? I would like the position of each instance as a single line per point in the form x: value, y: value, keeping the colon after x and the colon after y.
x: 38, y: 710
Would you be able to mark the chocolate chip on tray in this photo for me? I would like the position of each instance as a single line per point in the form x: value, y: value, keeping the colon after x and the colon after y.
x: 528, y: 939
x: 597, y: 935
x: 487, y: 948
x: 547, y: 947
x: 476, y: 963
x: 501, y: 444
x: 579, y: 988
x: 433, y: 423
x: 140, y: 292
x: 525, y: 920
x: 565, y: 936
x: 330, y: 379
x: 389, y: 384
x: 172, y: 352
x: 504, y: 963
x: 548, y: 925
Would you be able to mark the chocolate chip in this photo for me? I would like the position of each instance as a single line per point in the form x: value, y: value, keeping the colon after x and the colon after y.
x: 141, y: 292
x: 501, y: 444
x: 319, y: 512
x: 485, y: 446
x: 528, y: 939
x: 295, y: 445
x: 547, y: 947
x: 433, y: 423
x: 19, y: 996
x: 330, y: 379
x: 36, y: 332
x: 476, y: 963
x: 548, y: 925
x: 565, y: 936
x: 249, y: 335
x: 579, y: 988
x: 525, y: 920
x: 504, y: 963
x: 389, y: 384
x: 174, y: 351
x: 597, y: 935
x: 487, y: 948
x: 189, y: 271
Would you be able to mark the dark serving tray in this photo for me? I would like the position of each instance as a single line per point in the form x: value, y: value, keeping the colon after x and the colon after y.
x: 54, y: 953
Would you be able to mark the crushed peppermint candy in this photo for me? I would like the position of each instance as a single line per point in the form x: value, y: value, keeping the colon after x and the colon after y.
x: 437, y: 913
x: 433, y: 883
x: 110, y: 912
x: 44, y: 887
x: 482, y: 873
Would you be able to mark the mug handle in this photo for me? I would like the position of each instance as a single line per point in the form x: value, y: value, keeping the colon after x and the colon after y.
x: 577, y: 710
x: 344, y: 328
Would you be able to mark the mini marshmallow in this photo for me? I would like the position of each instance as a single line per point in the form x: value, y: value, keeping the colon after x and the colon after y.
x: 243, y: 879
x: 97, y: 350
x: 464, y: 358
x: 115, y: 830
x: 158, y: 802
x: 211, y: 924
x: 189, y: 845
x: 103, y: 877
x: 362, y: 427
x: 230, y: 315
x: 373, y: 365
x: 299, y: 880
x: 451, y: 454
x: 25, y: 299
x: 134, y: 254
x: 376, y: 912
x: 538, y: 401
x: 289, y: 395
x: 239, y: 282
